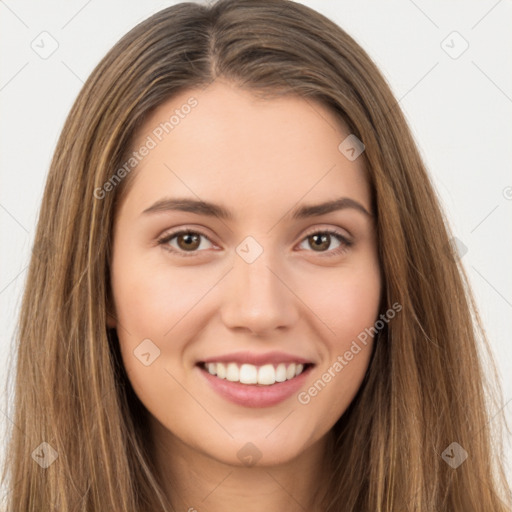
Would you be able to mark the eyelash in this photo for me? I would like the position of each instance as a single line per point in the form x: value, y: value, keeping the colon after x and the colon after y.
x: 345, y: 243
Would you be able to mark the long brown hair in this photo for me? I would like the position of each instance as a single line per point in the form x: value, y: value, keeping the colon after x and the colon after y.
x: 425, y: 387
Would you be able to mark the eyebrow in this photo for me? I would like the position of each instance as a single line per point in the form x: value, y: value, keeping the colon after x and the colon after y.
x: 215, y: 210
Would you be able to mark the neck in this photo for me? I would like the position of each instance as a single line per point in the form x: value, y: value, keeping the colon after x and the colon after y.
x: 193, y: 481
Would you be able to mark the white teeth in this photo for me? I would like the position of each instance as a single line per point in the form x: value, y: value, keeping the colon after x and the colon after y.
x: 265, y: 375
x: 290, y: 371
x: 280, y: 373
x: 232, y: 373
x: 221, y: 371
x: 248, y: 374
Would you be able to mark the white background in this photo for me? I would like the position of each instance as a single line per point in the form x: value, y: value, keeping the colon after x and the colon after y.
x: 459, y: 111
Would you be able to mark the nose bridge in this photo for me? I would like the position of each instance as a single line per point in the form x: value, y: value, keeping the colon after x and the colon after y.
x: 257, y: 299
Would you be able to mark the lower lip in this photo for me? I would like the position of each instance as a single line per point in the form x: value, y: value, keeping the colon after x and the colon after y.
x: 253, y: 395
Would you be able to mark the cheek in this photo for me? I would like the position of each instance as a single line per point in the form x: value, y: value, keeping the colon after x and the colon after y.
x: 347, y: 301
x: 152, y: 302
x: 151, y: 297
x: 156, y: 302
x: 349, y: 305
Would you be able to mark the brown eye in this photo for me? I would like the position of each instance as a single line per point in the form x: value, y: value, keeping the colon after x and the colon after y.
x: 320, y: 242
x: 188, y: 241
x: 184, y: 243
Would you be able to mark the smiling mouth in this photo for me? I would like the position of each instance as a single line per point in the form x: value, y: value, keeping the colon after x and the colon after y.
x: 265, y: 375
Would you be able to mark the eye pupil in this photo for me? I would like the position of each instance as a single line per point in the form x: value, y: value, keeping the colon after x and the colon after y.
x: 190, y: 241
x: 189, y: 237
x: 324, y: 241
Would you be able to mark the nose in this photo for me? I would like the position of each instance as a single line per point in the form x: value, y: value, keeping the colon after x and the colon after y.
x: 258, y: 299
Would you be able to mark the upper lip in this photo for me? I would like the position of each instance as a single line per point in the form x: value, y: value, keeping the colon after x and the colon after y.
x: 257, y: 359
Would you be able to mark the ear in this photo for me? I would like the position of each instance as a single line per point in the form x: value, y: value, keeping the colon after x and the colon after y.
x: 111, y: 315
x: 111, y: 321
x: 110, y: 310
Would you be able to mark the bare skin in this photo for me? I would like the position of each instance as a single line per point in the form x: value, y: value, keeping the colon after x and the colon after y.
x: 260, y: 159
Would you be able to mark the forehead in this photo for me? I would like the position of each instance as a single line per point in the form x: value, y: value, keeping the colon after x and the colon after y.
x: 225, y: 145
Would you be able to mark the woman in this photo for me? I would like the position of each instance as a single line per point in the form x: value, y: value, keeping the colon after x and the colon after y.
x: 242, y: 292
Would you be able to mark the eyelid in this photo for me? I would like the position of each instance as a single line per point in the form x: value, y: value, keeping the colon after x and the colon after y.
x: 329, y: 229
x: 169, y: 235
x: 346, y: 241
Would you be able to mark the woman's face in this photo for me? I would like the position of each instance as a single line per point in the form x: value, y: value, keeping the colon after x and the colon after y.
x: 263, y: 280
